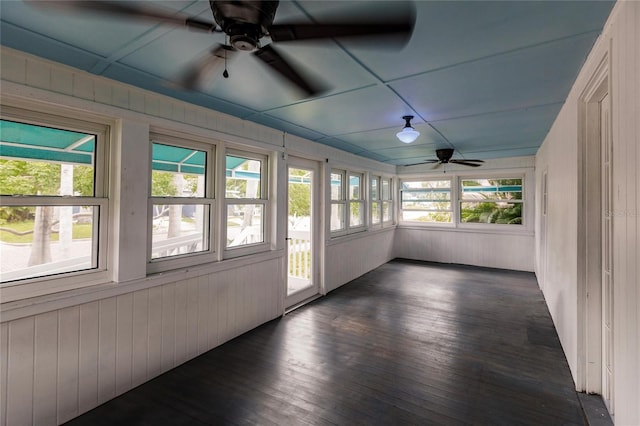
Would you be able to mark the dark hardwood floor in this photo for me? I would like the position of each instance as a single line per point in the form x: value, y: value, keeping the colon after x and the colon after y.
x: 407, y: 343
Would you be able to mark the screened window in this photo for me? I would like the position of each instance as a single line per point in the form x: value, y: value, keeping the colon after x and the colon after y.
x: 245, y: 200
x: 497, y: 201
x: 181, y: 197
x: 54, y: 203
x: 426, y: 201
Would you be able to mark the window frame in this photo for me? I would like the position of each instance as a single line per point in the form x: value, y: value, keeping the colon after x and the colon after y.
x: 346, y: 201
x: 452, y: 201
x: 496, y: 226
x: 53, y: 283
x: 264, y: 200
x: 209, y: 199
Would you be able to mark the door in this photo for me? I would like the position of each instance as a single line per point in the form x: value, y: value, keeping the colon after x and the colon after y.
x: 607, y: 255
x: 302, y: 256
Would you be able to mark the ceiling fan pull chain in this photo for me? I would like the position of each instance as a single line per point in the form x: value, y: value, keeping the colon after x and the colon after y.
x: 225, y: 73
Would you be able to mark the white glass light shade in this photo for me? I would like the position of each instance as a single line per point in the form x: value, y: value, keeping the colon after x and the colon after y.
x: 408, y: 135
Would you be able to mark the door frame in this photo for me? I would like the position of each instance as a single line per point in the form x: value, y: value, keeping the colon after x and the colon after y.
x: 589, y: 254
x: 299, y: 298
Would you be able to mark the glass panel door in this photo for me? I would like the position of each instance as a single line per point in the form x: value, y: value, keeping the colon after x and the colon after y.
x: 302, y: 278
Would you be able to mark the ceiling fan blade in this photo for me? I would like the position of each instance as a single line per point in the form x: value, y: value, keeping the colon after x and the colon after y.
x: 135, y: 10
x: 270, y: 57
x: 202, y: 70
x: 467, y: 162
x: 292, y: 32
x: 424, y: 162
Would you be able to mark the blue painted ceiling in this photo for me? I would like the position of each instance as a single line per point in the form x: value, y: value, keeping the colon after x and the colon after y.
x: 485, y: 78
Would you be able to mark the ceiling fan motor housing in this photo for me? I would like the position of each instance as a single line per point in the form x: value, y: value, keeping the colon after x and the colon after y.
x: 244, y: 22
x: 444, y: 154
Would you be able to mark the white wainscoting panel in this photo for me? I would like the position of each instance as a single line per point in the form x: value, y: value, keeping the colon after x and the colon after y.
x: 350, y: 257
x: 60, y: 364
x: 492, y: 250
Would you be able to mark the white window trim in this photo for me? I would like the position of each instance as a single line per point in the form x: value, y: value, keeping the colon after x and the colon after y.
x: 264, y: 201
x: 43, y: 285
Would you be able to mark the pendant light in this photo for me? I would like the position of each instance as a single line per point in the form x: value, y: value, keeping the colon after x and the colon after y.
x: 408, y: 134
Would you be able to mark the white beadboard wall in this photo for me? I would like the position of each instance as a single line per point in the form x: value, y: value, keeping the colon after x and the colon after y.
x: 57, y: 365
x: 349, y: 258
x: 491, y: 250
x: 559, y: 156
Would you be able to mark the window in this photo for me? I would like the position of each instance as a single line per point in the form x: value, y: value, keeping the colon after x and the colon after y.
x: 347, y: 202
x: 54, y: 208
x: 181, y: 199
x: 497, y: 201
x: 426, y: 201
x: 381, y: 203
x: 245, y: 201
x: 375, y: 198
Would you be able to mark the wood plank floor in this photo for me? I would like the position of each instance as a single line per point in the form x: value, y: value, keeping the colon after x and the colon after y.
x: 407, y: 343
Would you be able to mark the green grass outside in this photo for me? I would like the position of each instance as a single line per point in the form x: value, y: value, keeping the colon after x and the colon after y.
x: 79, y: 231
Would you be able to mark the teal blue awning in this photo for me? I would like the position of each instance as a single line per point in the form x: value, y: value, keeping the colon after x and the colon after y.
x: 19, y: 140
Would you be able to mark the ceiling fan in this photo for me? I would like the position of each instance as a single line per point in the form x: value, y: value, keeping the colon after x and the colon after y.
x: 444, y: 157
x: 246, y: 24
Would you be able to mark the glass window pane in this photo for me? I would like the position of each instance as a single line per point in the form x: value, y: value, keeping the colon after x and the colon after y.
x: 243, y: 178
x: 39, y: 160
x: 491, y: 189
x: 356, y: 217
x: 374, y: 189
x: 426, y: 195
x: 46, y: 240
x: 179, y: 229
x: 32, y: 177
x: 355, y: 187
x: 375, y: 212
x: 386, y: 211
x: 423, y: 216
x: 336, y: 186
x: 491, y: 212
x: 337, y: 217
x: 386, y: 188
x: 169, y: 184
x: 245, y: 224
x: 426, y: 205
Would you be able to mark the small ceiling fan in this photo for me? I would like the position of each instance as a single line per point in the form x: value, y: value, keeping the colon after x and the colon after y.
x: 444, y: 157
x: 246, y: 23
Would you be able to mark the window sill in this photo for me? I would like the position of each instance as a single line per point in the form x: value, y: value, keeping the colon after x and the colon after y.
x: 339, y: 239
x: 469, y: 229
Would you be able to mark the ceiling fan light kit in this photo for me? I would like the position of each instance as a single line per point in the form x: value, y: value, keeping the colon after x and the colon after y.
x: 408, y: 134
